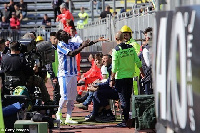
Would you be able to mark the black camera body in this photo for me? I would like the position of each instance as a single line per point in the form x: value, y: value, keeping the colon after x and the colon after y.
x: 42, y: 51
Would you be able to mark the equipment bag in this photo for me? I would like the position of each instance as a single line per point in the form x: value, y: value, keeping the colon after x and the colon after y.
x: 22, y: 90
x: 144, y: 111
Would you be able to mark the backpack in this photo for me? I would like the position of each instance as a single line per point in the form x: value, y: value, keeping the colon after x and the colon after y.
x: 22, y: 90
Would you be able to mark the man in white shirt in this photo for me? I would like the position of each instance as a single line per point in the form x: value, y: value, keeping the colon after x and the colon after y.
x: 76, y: 39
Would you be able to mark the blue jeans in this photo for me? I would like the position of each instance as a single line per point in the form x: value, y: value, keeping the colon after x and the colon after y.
x: 101, y: 98
x: 24, y: 14
x: 89, y: 99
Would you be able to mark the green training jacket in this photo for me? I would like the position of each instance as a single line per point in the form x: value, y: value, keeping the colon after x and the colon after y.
x: 124, y: 59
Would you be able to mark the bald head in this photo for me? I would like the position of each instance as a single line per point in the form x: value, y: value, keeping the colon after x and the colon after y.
x: 119, y: 36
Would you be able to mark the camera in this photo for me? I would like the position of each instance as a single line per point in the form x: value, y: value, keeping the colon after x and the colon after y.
x: 42, y: 51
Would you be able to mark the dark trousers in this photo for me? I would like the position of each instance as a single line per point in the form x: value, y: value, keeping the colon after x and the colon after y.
x: 147, y: 87
x: 56, y: 92
x: 125, y: 88
x: 55, y: 10
x: 101, y: 97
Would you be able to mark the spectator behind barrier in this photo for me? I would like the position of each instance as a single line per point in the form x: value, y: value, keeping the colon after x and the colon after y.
x: 11, y: 7
x: 4, y: 24
x: 105, y: 13
x: 14, y: 22
x: 23, y: 8
x: 18, y: 12
x: 5, y: 12
x: 46, y: 21
x: 65, y: 15
x: 83, y: 18
x: 72, y: 5
x: 56, y: 7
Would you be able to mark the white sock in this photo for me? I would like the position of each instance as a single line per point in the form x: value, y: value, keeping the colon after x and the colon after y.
x: 70, y: 106
x: 61, y: 103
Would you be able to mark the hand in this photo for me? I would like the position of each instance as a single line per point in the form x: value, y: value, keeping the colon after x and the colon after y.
x: 142, y: 75
x: 35, y: 68
x: 112, y: 83
x: 55, y: 80
x: 86, y: 43
x: 103, y: 39
x: 92, y: 88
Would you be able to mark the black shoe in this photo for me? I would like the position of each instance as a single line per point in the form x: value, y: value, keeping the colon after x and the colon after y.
x: 82, y: 99
x: 81, y: 106
x: 106, y: 116
x: 122, y: 124
x: 90, y: 118
x: 81, y: 83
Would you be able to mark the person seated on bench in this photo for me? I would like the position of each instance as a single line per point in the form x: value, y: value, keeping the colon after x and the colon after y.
x: 103, y: 92
x: 93, y: 76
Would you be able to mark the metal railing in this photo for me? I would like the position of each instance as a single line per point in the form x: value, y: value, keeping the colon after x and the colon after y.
x: 15, y: 34
x: 109, y: 26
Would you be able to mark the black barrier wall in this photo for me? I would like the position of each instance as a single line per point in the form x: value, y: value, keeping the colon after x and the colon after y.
x: 176, y: 70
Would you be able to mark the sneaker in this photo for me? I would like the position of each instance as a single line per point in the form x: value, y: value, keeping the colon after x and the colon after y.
x: 122, y: 124
x: 82, y: 99
x: 107, y: 117
x: 59, y: 116
x: 81, y: 106
x: 70, y: 121
x: 89, y: 117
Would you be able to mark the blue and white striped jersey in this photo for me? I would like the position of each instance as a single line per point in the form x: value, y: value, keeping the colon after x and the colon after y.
x: 67, y: 64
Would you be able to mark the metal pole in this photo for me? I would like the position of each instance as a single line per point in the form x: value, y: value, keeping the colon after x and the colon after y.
x: 157, y: 5
x: 103, y: 5
x: 70, y: 6
x: 92, y: 4
x: 114, y: 5
x: 125, y: 5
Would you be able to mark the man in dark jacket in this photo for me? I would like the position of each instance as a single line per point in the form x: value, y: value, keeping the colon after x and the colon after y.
x: 56, y: 7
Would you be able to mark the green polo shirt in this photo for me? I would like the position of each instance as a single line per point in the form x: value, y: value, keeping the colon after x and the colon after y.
x: 2, y: 129
x: 137, y: 50
x: 124, y: 59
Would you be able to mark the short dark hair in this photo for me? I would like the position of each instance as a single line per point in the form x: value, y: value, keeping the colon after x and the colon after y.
x: 2, y: 40
x: 108, y: 55
x: 53, y: 34
x: 98, y: 55
x: 73, y: 28
x: 63, y: 36
x: 15, y: 46
x: 148, y: 29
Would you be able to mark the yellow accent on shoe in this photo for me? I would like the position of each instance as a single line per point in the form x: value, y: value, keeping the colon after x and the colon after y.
x: 59, y: 116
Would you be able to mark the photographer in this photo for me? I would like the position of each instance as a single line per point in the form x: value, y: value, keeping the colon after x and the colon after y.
x: 15, y: 65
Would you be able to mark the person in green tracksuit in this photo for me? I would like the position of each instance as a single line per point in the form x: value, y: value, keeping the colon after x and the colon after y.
x: 124, y: 59
x: 127, y: 32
